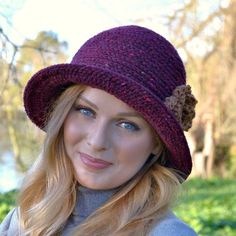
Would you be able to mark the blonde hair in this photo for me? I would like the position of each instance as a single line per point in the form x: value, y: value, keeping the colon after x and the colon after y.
x: 48, y: 194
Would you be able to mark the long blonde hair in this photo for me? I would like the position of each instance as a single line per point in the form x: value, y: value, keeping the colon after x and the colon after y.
x: 48, y: 194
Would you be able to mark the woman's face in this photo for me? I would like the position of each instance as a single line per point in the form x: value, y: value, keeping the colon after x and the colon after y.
x: 106, y: 140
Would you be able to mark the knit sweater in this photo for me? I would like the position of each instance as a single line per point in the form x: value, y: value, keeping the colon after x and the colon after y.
x: 89, y: 201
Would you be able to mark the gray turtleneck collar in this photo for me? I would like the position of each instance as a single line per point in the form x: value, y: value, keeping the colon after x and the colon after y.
x: 88, y: 200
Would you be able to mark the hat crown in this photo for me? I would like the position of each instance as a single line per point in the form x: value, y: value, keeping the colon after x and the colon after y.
x: 138, y: 54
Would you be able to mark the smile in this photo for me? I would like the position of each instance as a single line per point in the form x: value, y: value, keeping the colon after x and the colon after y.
x: 93, y: 162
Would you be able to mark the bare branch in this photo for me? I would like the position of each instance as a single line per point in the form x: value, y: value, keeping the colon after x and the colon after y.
x: 197, y: 30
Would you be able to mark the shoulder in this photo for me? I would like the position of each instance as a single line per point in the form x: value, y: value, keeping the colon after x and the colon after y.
x: 10, y: 225
x: 172, y: 226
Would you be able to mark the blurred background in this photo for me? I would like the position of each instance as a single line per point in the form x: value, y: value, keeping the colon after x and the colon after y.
x: 35, y: 34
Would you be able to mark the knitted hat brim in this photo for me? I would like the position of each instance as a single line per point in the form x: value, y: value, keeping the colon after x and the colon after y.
x: 46, y: 86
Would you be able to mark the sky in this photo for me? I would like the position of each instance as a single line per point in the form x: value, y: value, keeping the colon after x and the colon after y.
x: 77, y: 20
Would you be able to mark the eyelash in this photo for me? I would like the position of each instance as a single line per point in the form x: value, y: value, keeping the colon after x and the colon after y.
x: 80, y: 108
x: 135, y: 127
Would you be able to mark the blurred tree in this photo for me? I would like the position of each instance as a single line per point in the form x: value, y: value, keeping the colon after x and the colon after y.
x: 207, y: 37
x: 44, y: 50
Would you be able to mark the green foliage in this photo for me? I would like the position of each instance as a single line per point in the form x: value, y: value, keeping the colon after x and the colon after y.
x: 7, y: 202
x: 209, y: 206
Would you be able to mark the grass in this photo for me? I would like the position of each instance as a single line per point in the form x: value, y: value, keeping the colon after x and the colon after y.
x: 209, y: 206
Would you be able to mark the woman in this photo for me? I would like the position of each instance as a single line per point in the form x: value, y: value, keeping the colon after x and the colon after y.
x: 115, y: 153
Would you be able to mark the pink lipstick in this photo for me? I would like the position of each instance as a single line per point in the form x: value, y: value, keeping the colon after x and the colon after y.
x: 94, y: 162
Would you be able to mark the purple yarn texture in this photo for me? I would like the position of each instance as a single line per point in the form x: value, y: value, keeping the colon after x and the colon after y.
x: 133, y: 63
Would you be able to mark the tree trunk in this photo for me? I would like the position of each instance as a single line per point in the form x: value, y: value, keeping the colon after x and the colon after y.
x: 209, y: 146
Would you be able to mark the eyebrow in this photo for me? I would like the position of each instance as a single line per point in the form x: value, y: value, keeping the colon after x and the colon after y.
x: 87, y: 101
x: 131, y: 114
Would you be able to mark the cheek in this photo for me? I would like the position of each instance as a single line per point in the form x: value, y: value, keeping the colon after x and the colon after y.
x: 71, y: 131
x: 136, y: 150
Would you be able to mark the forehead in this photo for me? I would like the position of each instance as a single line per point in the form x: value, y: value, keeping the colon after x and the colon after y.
x: 101, y: 97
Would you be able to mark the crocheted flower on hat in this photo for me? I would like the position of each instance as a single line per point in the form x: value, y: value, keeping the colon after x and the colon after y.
x: 182, y: 105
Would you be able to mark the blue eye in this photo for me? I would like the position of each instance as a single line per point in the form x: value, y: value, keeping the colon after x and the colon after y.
x: 129, y: 126
x: 85, y: 111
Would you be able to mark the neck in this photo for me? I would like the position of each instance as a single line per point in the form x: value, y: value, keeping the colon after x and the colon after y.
x: 88, y: 200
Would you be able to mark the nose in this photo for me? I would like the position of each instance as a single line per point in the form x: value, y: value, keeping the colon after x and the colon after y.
x: 97, y: 137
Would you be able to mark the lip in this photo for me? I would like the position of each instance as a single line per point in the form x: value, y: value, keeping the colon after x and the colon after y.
x: 93, y: 162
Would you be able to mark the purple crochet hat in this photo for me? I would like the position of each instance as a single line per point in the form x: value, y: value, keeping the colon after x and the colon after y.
x: 135, y: 64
